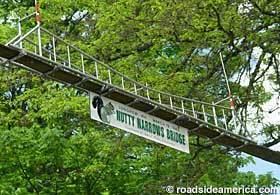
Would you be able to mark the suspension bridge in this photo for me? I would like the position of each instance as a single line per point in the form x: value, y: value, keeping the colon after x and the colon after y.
x: 48, y: 55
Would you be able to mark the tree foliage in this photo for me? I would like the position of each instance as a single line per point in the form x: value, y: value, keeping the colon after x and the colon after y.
x: 48, y: 143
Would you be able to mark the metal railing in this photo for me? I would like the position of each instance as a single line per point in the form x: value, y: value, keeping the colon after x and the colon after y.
x: 45, y: 44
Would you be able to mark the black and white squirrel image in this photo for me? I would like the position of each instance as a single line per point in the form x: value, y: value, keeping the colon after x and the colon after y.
x: 103, y: 111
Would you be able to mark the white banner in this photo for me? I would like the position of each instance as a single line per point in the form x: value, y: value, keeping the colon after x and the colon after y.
x: 134, y: 121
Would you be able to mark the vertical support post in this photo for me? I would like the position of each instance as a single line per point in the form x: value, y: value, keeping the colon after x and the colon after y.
x: 229, y: 93
x: 204, y: 114
x: 194, y: 114
x: 183, y: 107
x: 96, y: 70
x: 83, y: 64
x: 39, y: 41
x: 122, y: 82
x: 225, y: 120
x: 68, y: 55
x: 109, y: 75
x: 135, y: 88
x: 54, y: 48
x: 20, y: 34
x: 234, y: 119
x: 171, y: 102
x: 148, y: 94
x: 233, y: 111
x: 38, y: 21
x: 225, y: 74
x: 214, y: 114
x: 159, y: 98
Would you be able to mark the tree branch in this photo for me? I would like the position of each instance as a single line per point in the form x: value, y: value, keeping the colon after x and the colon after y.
x: 262, y: 10
x: 268, y: 144
x: 26, y: 176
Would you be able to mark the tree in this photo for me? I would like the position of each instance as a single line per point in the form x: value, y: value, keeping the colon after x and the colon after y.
x: 48, y: 143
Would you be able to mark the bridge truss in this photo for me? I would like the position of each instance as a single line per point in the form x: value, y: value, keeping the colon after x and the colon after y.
x: 48, y: 55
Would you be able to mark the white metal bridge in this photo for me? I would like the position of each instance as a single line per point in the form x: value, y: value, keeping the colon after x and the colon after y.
x: 48, y: 55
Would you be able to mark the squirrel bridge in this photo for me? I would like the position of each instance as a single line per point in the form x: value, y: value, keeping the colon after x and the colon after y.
x: 40, y: 51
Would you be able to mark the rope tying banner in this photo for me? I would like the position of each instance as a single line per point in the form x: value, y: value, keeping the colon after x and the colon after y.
x: 231, y: 101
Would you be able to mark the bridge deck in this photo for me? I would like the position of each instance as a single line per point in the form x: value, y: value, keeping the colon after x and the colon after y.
x: 85, y: 82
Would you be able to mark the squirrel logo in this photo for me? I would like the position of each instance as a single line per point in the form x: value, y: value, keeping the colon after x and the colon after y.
x: 103, y: 111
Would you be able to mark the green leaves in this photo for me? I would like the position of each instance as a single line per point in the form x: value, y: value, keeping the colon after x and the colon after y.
x: 49, y: 145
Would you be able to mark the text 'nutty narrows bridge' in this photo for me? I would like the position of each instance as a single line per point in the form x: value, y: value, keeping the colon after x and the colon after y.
x: 48, y: 55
